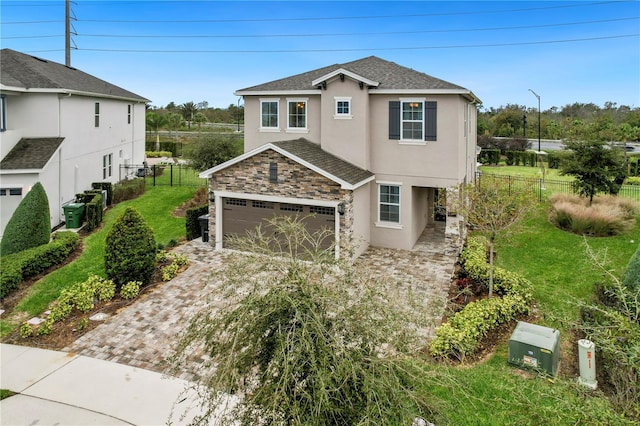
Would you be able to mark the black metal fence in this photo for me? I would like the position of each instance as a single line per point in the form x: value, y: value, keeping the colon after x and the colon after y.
x: 543, y: 188
x: 163, y: 174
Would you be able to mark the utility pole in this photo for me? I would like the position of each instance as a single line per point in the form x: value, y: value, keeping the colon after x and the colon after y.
x: 67, y: 33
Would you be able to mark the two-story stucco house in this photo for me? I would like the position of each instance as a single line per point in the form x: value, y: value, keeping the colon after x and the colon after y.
x: 364, y: 146
x: 63, y: 128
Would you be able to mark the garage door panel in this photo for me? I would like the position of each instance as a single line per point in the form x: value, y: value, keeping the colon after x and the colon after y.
x: 241, y: 215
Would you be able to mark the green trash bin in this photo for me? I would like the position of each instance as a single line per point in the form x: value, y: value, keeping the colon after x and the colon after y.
x: 73, y: 215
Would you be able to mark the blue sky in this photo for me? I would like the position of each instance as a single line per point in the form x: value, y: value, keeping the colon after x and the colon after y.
x: 181, y: 51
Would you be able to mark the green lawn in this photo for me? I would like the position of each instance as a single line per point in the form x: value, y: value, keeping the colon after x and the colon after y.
x: 525, y: 171
x: 492, y: 392
x: 155, y: 205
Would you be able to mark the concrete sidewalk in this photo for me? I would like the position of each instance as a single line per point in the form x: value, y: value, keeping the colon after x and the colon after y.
x: 67, y: 389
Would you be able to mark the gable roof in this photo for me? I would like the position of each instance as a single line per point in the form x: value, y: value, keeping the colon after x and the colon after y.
x: 22, y: 72
x: 30, y: 154
x: 309, y: 155
x: 389, y: 76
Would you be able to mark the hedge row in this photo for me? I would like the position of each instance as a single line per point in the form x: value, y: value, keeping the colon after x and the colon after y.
x: 489, y: 156
x: 192, y: 224
x: 128, y: 189
x: 521, y: 158
x: 464, y: 331
x: 105, y: 186
x: 92, y: 200
x: 175, y: 148
x: 158, y: 154
x: 17, y: 267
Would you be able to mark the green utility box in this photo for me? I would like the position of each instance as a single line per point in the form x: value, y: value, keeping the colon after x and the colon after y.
x: 73, y: 215
x: 536, y: 347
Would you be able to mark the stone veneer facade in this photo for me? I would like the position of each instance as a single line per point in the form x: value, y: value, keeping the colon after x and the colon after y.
x: 251, y: 176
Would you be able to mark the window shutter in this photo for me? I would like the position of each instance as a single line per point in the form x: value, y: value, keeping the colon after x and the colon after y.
x: 394, y: 120
x: 431, y: 121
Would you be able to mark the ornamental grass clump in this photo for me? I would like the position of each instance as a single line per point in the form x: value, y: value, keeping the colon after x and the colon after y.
x: 605, y: 216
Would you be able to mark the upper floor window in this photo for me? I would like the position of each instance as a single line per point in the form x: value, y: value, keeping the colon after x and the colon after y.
x: 389, y: 203
x: 413, y: 120
x: 3, y: 113
x: 106, y: 166
x: 129, y: 114
x: 269, y: 114
x: 297, y: 113
x: 343, y: 108
x: 96, y: 122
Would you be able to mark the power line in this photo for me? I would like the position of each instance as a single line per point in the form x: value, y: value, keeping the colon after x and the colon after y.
x: 375, y: 33
x: 460, y: 46
x: 335, y: 18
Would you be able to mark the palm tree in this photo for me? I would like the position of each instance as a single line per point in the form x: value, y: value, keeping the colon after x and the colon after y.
x: 188, y: 110
x: 154, y: 122
x: 174, y: 121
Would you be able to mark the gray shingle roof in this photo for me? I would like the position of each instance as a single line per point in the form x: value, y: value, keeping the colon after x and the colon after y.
x: 390, y: 75
x: 30, y: 153
x: 313, y: 154
x: 29, y: 72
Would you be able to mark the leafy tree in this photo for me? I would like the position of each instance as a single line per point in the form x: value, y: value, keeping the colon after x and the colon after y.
x: 210, y: 150
x: 30, y: 225
x: 130, y: 250
x: 155, y: 121
x: 492, y: 209
x: 595, y: 167
x: 315, y: 342
x: 174, y: 121
x: 199, y: 118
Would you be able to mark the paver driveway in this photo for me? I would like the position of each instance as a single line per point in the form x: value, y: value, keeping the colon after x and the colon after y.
x: 142, y: 334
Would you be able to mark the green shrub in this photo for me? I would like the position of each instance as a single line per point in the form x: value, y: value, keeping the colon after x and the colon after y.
x: 631, y: 277
x: 130, y: 250
x: 130, y: 290
x: 464, y: 331
x: 490, y: 156
x: 19, y: 266
x: 105, y: 186
x: 158, y: 154
x: 80, y: 296
x: 192, y: 223
x: 632, y: 180
x: 128, y: 189
x: 30, y: 225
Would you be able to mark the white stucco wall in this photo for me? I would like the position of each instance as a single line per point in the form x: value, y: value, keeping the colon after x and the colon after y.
x: 79, y: 160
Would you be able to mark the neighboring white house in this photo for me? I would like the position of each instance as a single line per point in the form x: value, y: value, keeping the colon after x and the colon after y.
x: 365, y: 147
x: 63, y: 128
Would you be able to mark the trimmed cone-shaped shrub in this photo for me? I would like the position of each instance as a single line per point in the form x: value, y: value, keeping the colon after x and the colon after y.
x: 130, y: 251
x: 631, y: 277
x: 30, y: 225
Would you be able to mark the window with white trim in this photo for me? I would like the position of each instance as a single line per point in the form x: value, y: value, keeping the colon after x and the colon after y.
x: 412, y: 120
x: 269, y: 114
x: 128, y: 113
x: 343, y: 107
x: 106, y: 166
x: 297, y: 114
x: 389, y: 203
x: 3, y: 113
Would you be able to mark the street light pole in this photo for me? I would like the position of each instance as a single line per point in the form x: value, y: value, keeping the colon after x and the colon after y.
x: 537, y: 96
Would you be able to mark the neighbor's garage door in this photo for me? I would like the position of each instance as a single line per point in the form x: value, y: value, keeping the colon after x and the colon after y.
x: 241, y: 215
